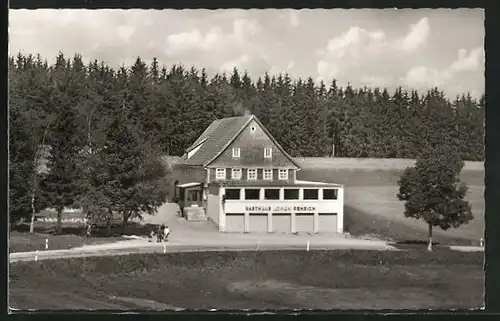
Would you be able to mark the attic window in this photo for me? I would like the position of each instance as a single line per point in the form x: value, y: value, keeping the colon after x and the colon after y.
x: 252, y: 128
x: 268, y: 152
x: 236, y: 152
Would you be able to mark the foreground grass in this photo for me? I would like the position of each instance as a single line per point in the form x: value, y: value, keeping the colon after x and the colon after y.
x: 253, y: 280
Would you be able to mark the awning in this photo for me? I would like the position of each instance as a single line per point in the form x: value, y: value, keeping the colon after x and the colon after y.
x: 185, y: 185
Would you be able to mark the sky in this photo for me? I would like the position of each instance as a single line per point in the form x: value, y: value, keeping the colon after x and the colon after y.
x: 416, y: 49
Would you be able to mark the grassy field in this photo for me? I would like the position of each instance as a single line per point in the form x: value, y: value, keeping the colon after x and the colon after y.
x: 411, y: 279
x: 371, y: 205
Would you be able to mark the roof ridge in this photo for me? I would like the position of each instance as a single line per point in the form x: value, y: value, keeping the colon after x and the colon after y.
x: 233, y: 117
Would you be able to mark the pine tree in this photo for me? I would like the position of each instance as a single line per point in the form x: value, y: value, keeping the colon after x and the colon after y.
x: 131, y: 178
x: 30, y: 119
x: 60, y: 184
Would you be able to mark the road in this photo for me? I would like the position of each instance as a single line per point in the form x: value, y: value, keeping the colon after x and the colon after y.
x: 142, y: 246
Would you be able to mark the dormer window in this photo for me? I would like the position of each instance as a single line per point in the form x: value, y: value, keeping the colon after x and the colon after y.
x: 268, y: 152
x: 236, y: 153
x: 283, y: 174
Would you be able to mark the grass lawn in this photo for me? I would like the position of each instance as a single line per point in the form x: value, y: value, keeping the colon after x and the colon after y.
x: 20, y: 240
x: 411, y: 279
x: 372, y: 176
x: 376, y: 210
x: 372, y: 208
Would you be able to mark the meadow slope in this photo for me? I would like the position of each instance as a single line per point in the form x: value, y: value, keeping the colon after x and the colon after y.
x: 253, y: 280
x: 371, y: 204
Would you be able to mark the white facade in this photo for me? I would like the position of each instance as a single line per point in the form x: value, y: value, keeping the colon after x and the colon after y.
x: 302, y: 215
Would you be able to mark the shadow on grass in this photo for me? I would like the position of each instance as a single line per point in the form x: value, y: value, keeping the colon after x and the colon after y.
x: 20, y: 240
x: 78, y: 229
x: 359, y: 223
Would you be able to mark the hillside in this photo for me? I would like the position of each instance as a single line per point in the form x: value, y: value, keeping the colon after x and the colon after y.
x: 371, y: 205
x: 371, y: 171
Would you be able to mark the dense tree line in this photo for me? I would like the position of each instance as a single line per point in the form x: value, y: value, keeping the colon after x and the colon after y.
x: 78, y: 110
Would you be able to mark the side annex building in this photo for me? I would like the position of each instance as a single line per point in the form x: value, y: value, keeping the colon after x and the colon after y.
x: 239, y: 177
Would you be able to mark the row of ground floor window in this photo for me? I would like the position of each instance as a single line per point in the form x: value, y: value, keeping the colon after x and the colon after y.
x: 282, y: 222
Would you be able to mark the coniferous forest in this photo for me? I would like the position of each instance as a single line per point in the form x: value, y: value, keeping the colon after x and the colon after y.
x: 91, y: 116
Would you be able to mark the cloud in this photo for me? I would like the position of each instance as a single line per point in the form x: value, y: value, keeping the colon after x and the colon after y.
x: 193, y: 40
x: 417, y: 36
x: 327, y: 69
x: 469, y: 62
x: 238, y: 62
x: 351, y: 48
x: 377, y: 81
x: 125, y: 32
x: 294, y: 18
x: 245, y: 28
x: 358, y: 47
x: 215, y: 39
x: 356, y: 42
x: 291, y: 64
x: 424, y: 77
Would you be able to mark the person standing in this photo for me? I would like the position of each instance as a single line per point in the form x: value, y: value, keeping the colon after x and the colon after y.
x: 160, y: 233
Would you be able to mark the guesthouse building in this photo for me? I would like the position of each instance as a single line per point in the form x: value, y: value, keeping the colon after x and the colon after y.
x: 239, y: 177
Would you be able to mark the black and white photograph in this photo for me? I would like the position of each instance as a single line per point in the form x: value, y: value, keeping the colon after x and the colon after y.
x: 246, y: 160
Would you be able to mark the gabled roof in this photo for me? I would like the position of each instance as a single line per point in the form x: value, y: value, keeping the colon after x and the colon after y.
x: 210, y: 129
x: 214, y: 139
x: 219, y: 135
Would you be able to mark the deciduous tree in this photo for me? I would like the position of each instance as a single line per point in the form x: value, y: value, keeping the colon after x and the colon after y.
x: 432, y: 191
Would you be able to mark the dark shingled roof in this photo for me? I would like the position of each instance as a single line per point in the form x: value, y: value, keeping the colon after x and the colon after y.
x: 216, y: 136
x: 210, y: 129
